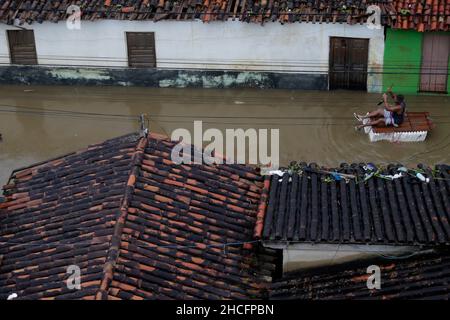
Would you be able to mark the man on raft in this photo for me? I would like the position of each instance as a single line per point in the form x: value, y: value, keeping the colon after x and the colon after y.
x: 389, y: 116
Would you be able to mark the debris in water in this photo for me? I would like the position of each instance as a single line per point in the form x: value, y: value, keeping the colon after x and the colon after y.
x: 12, y: 296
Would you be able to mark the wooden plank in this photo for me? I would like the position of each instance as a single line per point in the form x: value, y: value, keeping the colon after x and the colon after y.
x: 414, y: 121
x: 141, y: 49
x: 137, y: 51
x: 357, y: 60
x: 348, y: 62
x: 22, y: 47
x: 141, y: 60
x: 377, y: 223
x: 337, y: 62
x: 409, y: 125
x: 435, y: 53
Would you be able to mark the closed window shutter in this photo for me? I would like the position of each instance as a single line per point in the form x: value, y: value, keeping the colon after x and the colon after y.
x: 348, y: 63
x: 141, y: 49
x: 22, y: 47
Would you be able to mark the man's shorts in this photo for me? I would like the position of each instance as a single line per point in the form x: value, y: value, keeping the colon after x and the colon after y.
x: 388, y: 119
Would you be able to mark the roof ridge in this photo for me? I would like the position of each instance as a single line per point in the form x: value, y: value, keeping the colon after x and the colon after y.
x: 114, y: 249
x: 43, y: 163
x: 261, y: 213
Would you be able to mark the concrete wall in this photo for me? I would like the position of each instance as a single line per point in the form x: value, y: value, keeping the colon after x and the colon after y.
x: 185, y: 45
x: 402, y: 60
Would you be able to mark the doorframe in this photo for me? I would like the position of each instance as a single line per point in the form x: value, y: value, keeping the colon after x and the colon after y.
x: 420, y: 72
x: 329, y: 57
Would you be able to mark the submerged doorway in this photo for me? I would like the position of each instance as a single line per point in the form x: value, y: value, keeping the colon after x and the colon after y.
x: 435, y: 52
x: 348, y: 63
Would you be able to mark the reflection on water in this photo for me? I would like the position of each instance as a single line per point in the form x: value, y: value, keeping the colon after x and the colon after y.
x: 314, y: 126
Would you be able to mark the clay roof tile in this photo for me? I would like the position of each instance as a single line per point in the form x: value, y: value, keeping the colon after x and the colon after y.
x: 137, y: 228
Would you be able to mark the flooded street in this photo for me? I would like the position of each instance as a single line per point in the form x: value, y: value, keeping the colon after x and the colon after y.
x: 314, y: 126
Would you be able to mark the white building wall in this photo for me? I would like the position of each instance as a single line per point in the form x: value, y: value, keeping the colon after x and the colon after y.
x: 234, y: 45
x: 305, y: 256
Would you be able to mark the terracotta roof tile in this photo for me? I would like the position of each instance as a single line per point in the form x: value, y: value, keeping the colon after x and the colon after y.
x: 422, y: 15
x: 257, y: 11
x: 137, y: 228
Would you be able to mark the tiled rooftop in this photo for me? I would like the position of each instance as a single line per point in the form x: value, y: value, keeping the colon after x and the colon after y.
x: 406, y: 14
x: 422, y: 15
x: 424, y: 276
x: 306, y: 207
x: 138, y: 226
x: 206, y: 10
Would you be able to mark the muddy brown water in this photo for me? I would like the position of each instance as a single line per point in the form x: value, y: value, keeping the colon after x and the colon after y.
x: 314, y: 126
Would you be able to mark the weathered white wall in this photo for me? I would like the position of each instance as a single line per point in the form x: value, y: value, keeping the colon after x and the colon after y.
x: 298, y: 47
x: 304, y: 256
x: 4, y: 47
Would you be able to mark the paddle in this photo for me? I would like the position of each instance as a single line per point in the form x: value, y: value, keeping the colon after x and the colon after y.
x: 382, y: 100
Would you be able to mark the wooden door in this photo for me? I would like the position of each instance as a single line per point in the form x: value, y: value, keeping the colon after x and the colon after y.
x: 141, y: 49
x: 348, y: 63
x: 435, y: 52
x: 22, y: 47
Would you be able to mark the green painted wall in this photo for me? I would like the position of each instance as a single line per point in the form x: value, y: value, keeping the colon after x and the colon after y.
x: 402, y: 57
x: 402, y: 60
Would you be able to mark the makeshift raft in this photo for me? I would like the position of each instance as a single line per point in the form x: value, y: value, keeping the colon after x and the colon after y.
x: 415, y: 127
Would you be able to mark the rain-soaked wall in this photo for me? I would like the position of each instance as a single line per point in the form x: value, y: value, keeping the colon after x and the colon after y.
x: 270, y: 51
x: 403, y: 60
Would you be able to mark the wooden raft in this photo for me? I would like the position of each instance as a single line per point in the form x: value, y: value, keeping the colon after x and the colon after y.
x: 415, y: 127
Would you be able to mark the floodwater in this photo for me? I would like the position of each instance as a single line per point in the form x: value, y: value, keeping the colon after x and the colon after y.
x: 314, y: 126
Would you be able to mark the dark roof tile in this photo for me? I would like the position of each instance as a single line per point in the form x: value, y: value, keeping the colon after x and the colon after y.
x: 138, y: 226
x: 308, y: 207
x: 425, y: 276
